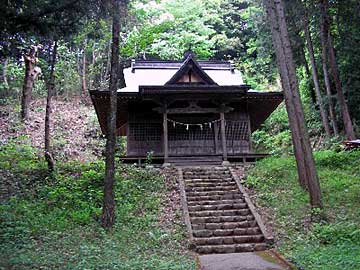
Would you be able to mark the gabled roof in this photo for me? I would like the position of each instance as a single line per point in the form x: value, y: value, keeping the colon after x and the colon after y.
x: 190, y: 66
x: 159, y: 72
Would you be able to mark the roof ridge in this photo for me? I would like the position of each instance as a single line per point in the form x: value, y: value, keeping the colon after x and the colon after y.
x: 190, y: 63
x: 169, y: 64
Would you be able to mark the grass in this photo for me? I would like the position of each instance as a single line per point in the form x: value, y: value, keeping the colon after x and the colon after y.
x: 331, y: 244
x: 53, y: 222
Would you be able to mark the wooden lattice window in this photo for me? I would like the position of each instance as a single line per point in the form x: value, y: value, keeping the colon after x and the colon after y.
x: 235, y: 131
x: 145, y: 131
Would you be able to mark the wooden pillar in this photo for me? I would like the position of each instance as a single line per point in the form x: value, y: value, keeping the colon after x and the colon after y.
x: 216, y: 134
x: 223, y: 135
x: 166, y: 142
x: 250, y: 149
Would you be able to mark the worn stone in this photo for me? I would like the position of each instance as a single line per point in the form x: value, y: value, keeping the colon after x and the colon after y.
x: 203, y: 233
x: 220, y: 219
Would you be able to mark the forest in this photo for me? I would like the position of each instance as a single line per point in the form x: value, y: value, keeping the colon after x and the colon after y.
x: 68, y: 202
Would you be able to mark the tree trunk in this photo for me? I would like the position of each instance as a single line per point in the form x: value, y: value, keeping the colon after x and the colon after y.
x: 108, y: 211
x: 308, y: 74
x: 83, y: 70
x: 304, y: 158
x: 332, y: 111
x: 323, y: 113
x: 108, y: 62
x: 4, y: 75
x: 51, y: 87
x: 288, y: 97
x: 31, y: 73
x: 349, y: 130
x: 311, y: 174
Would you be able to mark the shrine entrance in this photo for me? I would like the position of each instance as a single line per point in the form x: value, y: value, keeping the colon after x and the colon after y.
x: 197, y: 137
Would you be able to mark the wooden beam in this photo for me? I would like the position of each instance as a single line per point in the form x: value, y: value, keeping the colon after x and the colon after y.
x: 223, y: 135
x: 193, y: 108
x: 166, y: 142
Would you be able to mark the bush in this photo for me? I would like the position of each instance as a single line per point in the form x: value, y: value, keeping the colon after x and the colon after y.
x: 337, y: 233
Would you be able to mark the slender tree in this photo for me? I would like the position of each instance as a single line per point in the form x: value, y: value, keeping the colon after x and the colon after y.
x: 51, y: 89
x: 4, y: 74
x: 108, y: 63
x: 83, y: 70
x: 31, y: 73
x: 303, y: 153
x: 108, y: 212
x: 332, y: 111
x: 309, y: 43
x: 309, y: 75
x: 329, y: 48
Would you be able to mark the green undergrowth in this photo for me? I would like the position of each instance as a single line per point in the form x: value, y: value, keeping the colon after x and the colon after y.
x: 330, y: 244
x: 52, y: 222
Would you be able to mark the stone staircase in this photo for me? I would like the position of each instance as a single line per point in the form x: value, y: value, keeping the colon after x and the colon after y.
x: 219, y: 215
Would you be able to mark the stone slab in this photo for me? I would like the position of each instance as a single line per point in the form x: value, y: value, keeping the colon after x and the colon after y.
x: 264, y: 260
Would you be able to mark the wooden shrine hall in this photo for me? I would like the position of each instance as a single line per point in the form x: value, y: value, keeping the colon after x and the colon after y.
x: 187, y: 112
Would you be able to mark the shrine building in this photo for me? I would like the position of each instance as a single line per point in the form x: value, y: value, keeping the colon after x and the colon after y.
x: 187, y: 112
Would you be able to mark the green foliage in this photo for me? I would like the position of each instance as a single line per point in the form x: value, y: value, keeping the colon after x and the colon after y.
x: 66, y: 75
x: 331, y: 244
x: 184, y: 25
x: 14, y: 77
x: 274, y: 137
x: 338, y: 233
x: 53, y: 224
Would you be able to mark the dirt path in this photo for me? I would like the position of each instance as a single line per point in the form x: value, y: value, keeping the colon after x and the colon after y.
x: 264, y: 260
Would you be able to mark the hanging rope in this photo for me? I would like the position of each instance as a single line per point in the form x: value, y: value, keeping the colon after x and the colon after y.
x: 187, y: 125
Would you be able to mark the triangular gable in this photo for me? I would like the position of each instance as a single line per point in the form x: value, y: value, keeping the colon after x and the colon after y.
x: 191, y: 72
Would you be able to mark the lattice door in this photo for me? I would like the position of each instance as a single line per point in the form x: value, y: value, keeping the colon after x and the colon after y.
x: 191, y: 140
x: 237, y: 136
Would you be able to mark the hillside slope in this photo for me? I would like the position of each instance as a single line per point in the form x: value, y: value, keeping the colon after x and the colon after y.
x: 75, y: 129
x: 332, y: 243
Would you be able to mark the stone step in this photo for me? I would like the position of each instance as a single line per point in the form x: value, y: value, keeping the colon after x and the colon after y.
x: 192, y: 162
x: 249, y: 247
x: 192, y: 172
x: 227, y: 232
x: 227, y: 196
x: 217, y: 213
x: 213, y: 193
x: 227, y: 206
x: 215, y: 202
x: 189, y: 183
x: 217, y: 168
x: 220, y: 178
x: 213, y: 188
x: 206, y: 176
x: 221, y: 219
x: 205, y: 171
x: 225, y: 225
x: 229, y: 240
